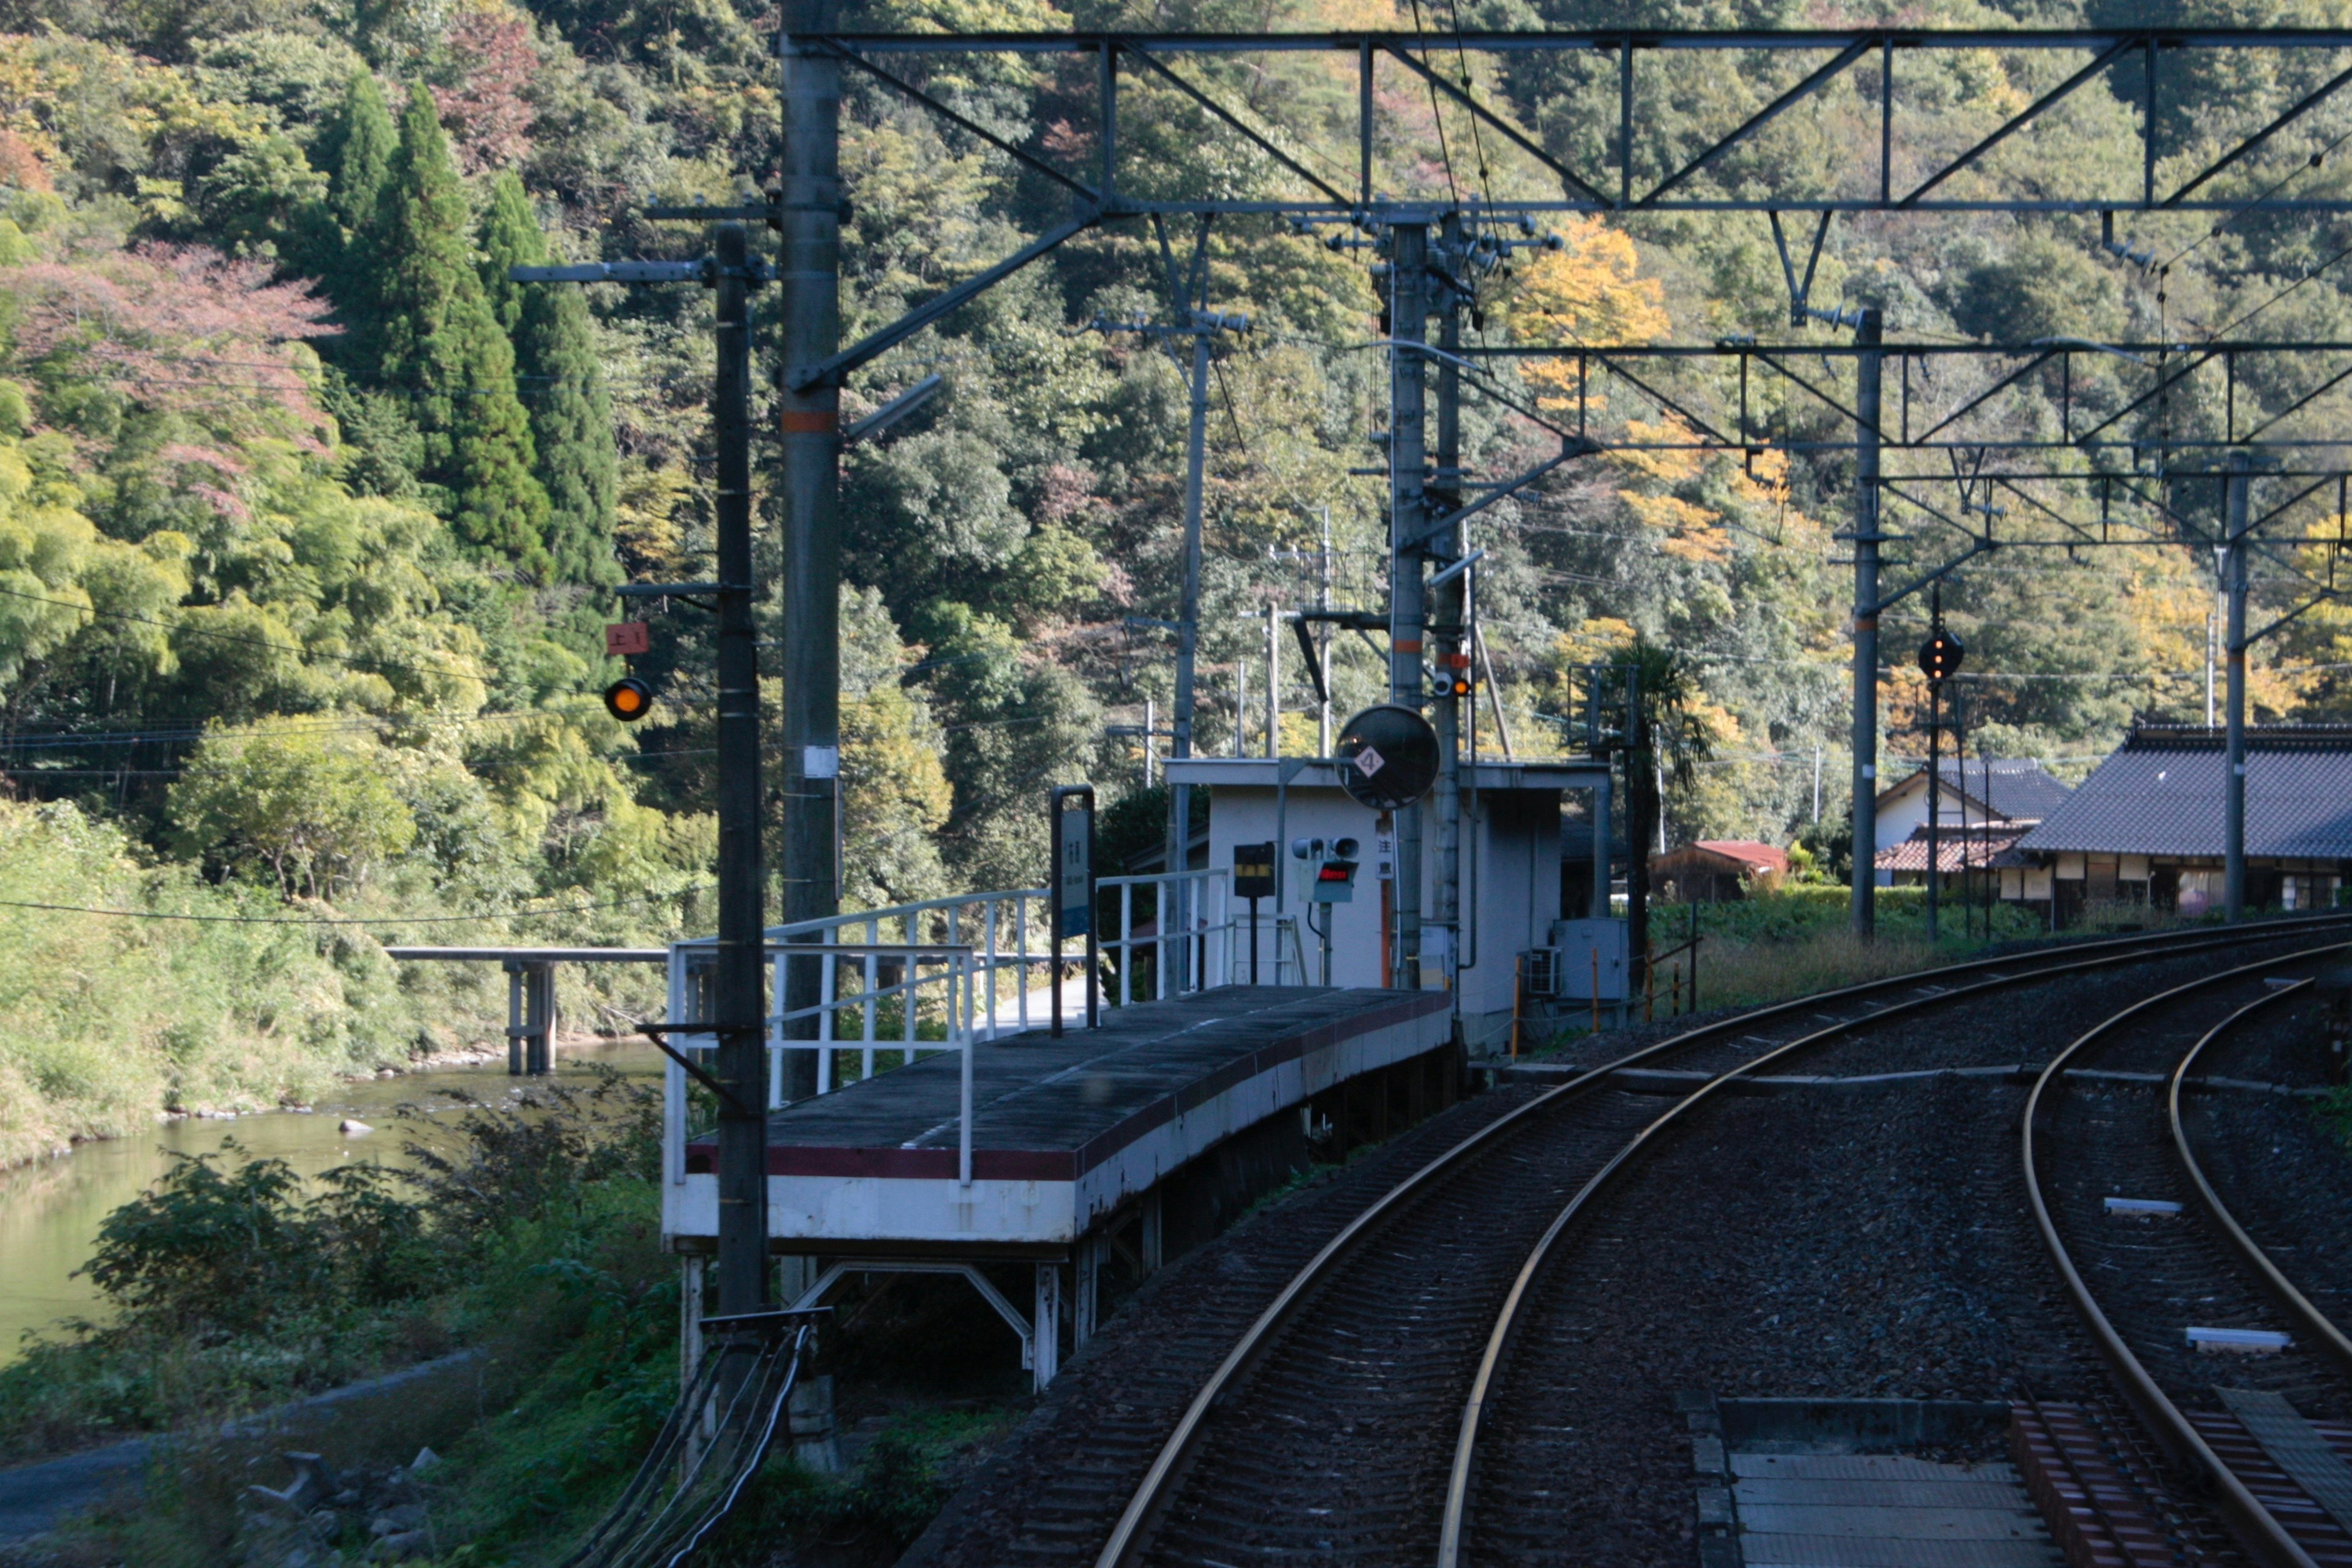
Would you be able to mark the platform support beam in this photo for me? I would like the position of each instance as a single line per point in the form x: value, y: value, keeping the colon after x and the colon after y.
x: 1086, y: 1285
x: 1045, y: 1326
x: 1152, y: 1233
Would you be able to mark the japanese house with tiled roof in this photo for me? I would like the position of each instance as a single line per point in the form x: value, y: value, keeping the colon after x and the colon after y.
x: 2146, y: 826
x: 1984, y: 806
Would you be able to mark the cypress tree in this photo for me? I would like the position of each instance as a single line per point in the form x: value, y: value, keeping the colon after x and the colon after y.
x: 363, y: 140
x: 440, y: 343
x: 556, y: 364
x: 328, y: 236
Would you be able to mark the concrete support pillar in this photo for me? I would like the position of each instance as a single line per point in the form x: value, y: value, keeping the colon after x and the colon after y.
x: 1045, y: 1326
x: 530, y: 1018
x: 1086, y: 1284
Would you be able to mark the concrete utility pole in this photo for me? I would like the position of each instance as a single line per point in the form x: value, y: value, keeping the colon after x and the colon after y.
x: 809, y: 322
x: 1273, y: 680
x: 1188, y: 628
x: 738, y: 986
x: 1408, y: 515
x: 1866, y: 539
x: 1323, y: 642
x: 2233, y: 582
x: 1449, y: 619
x: 739, y: 1008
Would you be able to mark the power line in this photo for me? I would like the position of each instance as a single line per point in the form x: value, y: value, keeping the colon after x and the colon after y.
x: 342, y: 921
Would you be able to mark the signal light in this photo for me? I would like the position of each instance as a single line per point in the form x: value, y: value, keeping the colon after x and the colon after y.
x: 628, y: 699
x: 1940, y: 657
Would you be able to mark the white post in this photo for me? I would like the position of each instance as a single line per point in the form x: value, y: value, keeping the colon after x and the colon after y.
x: 673, y: 1083
x: 1021, y: 946
x: 1126, y: 943
x: 828, y: 984
x: 989, y: 912
x: 964, y: 1109
x: 873, y: 977
x: 775, y: 1033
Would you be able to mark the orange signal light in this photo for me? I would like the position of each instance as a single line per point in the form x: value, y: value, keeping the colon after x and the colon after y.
x: 628, y: 699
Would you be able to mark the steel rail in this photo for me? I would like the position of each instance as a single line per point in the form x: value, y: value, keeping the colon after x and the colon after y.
x: 1457, y: 1491
x: 2255, y: 1525
x: 2298, y: 1306
x: 1151, y: 1494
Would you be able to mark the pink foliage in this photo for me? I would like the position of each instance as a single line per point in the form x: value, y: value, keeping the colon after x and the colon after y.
x: 1069, y: 491
x: 487, y: 111
x: 181, y: 328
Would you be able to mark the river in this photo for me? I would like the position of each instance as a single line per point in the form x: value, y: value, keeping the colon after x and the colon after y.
x: 50, y: 1211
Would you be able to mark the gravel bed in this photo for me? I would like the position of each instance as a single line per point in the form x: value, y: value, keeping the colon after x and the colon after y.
x: 1052, y: 1490
x: 2278, y: 1166
x: 1850, y: 1243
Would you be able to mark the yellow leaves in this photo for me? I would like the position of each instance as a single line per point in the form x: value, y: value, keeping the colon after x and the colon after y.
x: 1690, y: 532
x: 1599, y: 639
x: 1669, y: 466
x: 1588, y: 292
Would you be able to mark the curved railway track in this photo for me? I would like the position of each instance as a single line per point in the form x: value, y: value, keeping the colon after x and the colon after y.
x: 2142, y: 1282
x: 1344, y: 1422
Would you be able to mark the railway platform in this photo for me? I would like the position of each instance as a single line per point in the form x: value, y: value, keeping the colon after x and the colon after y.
x: 1126, y: 1142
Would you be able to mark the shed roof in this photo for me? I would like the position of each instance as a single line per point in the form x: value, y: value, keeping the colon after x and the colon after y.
x: 1955, y: 851
x: 2161, y: 794
x: 1746, y: 855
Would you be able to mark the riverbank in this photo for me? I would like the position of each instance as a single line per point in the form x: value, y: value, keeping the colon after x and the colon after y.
x: 50, y: 1210
x: 132, y: 990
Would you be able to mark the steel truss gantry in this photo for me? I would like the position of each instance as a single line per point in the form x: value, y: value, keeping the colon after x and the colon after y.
x: 1911, y: 166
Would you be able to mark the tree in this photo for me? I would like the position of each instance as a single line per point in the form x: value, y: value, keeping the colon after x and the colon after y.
x: 561, y: 377
x: 316, y: 805
x: 443, y: 346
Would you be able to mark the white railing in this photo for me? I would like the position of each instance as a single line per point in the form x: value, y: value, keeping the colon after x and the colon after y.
x: 942, y: 974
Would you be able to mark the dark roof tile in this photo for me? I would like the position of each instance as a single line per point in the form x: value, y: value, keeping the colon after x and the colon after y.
x: 2162, y: 794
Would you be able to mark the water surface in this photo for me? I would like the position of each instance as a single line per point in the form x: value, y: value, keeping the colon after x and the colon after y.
x: 50, y: 1211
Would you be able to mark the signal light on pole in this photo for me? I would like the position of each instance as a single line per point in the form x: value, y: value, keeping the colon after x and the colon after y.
x: 1940, y: 657
x: 628, y: 699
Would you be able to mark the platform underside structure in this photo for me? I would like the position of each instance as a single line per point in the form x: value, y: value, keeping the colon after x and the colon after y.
x: 1139, y: 1137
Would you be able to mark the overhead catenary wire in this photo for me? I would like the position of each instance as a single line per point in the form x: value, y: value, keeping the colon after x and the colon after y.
x: 349, y: 920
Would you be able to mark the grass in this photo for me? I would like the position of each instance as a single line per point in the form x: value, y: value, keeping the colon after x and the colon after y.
x: 1797, y: 941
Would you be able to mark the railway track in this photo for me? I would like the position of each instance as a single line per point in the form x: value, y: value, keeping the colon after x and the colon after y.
x: 2240, y: 1379
x: 1345, y: 1423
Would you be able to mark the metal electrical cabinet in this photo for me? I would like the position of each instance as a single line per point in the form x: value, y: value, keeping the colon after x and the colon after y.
x: 1594, y: 960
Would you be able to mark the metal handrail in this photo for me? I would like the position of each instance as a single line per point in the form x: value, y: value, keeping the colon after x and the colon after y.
x: 972, y: 1001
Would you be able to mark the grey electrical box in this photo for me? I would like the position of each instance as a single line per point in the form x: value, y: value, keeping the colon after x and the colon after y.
x: 1592, y: 960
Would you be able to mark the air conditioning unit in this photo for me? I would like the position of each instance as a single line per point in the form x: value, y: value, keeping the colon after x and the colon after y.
x: 1540, y: 972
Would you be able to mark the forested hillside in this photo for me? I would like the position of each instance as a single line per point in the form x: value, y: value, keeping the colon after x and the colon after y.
x: 308, y: 517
